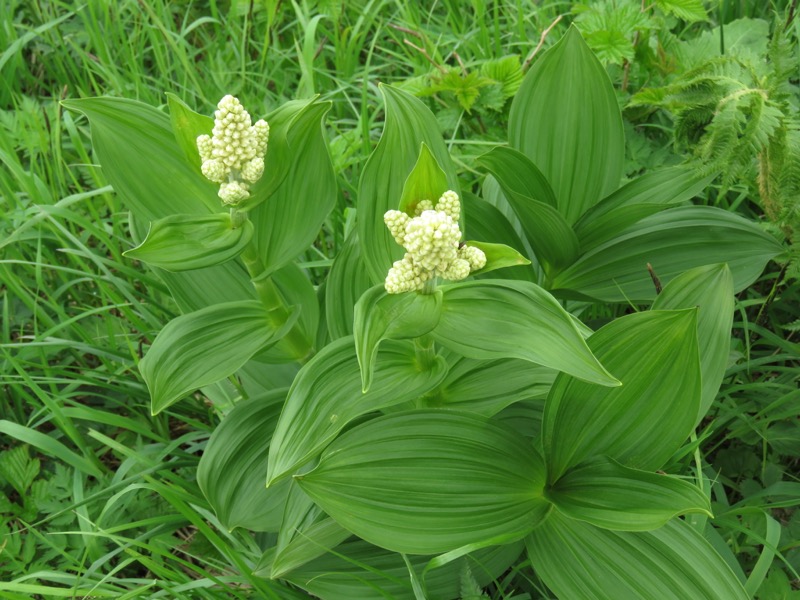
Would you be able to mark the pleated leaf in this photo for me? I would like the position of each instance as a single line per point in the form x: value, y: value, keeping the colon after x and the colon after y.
x: 487, y: 224
x: 534, y: 203
x: 187, y: 242
x: 232, y: 471
x: 346, y: 282
x: 289, y: 221
x: 314, y: 541
x: 486, y: 387
x: 710, y: 288
x: 672, y: 241
x: 490, y: 319
x: 187, y: 125
x: 607, y: 494
x: 642, y: 423
x: 360, y: 571
x: 644, y: 196
x: 408, y: 124
x: 382, y: 316
x: 566, y: 119
x: 326, y: 396
x: 498, y: 256
x: 205, y: 346
x: 579, y: 561
x: 427, y: 181
x: 428, y: 481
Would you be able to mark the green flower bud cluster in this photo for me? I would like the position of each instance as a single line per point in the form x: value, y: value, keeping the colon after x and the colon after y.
x: 233, y: 155
x: 432, y: 241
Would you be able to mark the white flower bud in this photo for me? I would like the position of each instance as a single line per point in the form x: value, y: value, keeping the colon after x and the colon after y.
x: 406, y: 276
x: 457, y: 270
x: 432, y: 239
x: 474, y: 256
x: 422, y: 206
x: 396, y: 221
x: 233, y: 192
x: 205, y: 147
x: 450, y: 205
x: 253, y: 170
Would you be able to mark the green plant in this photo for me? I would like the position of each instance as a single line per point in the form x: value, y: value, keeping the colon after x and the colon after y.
x: 384, y: 416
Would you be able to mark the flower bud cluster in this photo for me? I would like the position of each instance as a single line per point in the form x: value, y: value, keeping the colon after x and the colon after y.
x: 233, y: 155
x: 432, y: 241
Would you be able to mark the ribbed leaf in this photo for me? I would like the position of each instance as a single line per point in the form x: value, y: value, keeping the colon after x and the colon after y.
x: 644, y: 196
x: 382, y: 316
x: 360, y: 571
x: 486, y: 387
x: 486, y: 223
x: 672, y: 241
x: 491, y: 319
x: 347, y: 281
x: 326, y: 395
x: 187, y: 126
x: 187, y: 242
x: 534, y: 203
x: 565, y: 118
x: 498, y: 256
x: 409, y: 123
x: 428, y: 481
x: 289, y: 221
x: 643, y: 422
x: 233, y: 468
x: 204, y: 346
x: 711, y: 289
x: 579, y: 561
x: 607, y: 494
x: 314, y: 541
x: 427, y: 181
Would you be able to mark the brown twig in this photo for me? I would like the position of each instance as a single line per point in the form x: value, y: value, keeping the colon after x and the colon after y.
x: 424, y: 53
x: 461, y: 64
x: 541, y: 42
x: 416, y: 34
x: 654, y: 277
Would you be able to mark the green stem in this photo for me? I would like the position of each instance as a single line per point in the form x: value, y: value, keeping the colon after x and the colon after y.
x: 295, y: 342
x: 425, y: 352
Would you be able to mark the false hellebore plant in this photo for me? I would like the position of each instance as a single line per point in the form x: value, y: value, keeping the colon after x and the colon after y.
x: 447, y: 416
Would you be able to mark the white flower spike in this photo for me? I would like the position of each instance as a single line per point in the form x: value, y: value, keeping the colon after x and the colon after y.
x: 432, y: 240
x: 233, y: 155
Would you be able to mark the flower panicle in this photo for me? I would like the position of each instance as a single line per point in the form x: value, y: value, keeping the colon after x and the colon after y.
x: 432, y: 239
x: 233, y: 155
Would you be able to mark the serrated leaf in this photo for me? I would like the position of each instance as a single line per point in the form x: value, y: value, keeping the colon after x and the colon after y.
x: 187, y: 242
x: 429, y: 481
x: 507, y: 71
x: 688, y: 10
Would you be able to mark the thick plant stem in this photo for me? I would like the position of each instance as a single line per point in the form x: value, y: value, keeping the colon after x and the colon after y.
x: 425, y: 352
x: 294, y: 342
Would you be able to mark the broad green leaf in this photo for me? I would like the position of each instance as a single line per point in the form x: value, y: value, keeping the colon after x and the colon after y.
x: 486, y: 387
x: 672, y: 241
x: 326, y: 395
x: 360, y: 571
x: 382, y: 316
x: 426, y: 181
x: 290, y: 219
x: 318, y: 539
x: 491, y: 319
x: 409, y: 123
x: 577, y: 560
x: 711, y: 289
x: 644, y: 196
x: 187, y: 242
x: 187, y: 125
x: 566, y: 119
x: 607, y: 494
x: 532, y: 199
x: 347, y: 281
x: 204, y: 346
x: 487, y: 224
x: 498, y: 256
x: 142, y: 160
x: 517, y: 175
x: 429, y: 481
x: 643, y: 422
x: 233, y: 467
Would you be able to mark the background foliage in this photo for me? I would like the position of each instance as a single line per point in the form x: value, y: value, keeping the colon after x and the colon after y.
x: 98, y: 497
